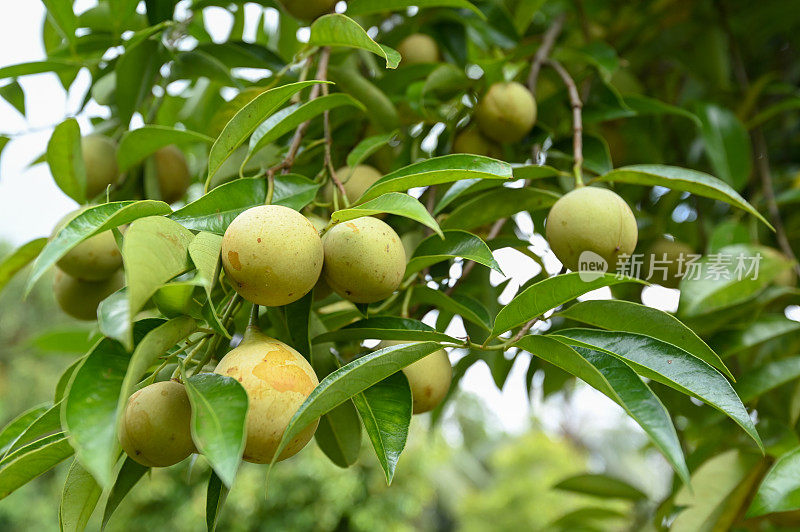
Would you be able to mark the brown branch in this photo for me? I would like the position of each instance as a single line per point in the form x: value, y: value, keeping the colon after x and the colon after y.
x: 577, y: 120
x: 525, y: 329
x: 548, y: 41
x: 759, y: 145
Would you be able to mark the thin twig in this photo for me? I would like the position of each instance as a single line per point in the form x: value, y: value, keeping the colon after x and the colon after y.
x: 525, y: 329
x: 548, y: 41
x: 759, y: 146
x: 577, y: 120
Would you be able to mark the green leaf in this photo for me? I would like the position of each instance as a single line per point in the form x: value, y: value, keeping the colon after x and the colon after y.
x: 204, y: 250
x: 62, y: 14
x: 219, y: 409
x: 761, y: 380
x: 113, y: 316
x: 671, y: 366
x: 17, y: 426
x: 468, y: 308
x: 65, y: 379
x: 288, y: 119
x: 644, y: 106
x: 135, y: 70
x: 598, y: 485
x: 725, y: 278
x: 214, y: 211
x: 455, y: 244
x: 65, y: 340
x: 13, y: 94
x: 459, y: 188
x: 720, y: 487
x: 351, y: 379
x: 339, y: 30
x: 780, y: 489
x: 294, y: 191
x: 90, y: 222
x: 78, y: 499
x: 130, y: 473
x: 29, y: 462
x: 620, y: 383
x: 90, y: 409
x: 391, y: 203
x: 763, y: 329
x: 38, y: 67
x: 368, y: 7
x: 683, y: 179
x: 66, y: 161
x: 535, y: 171
x: 339, y: 435
x: 20, y: 258
x: 245, y: 122
x: 385, y: 409
x: 385, y: 328
x: 45, y: 424
x: 618, y: 315
x: 367, y: 147
x: 381, y: 111
x: 727, y: 144
x: 155, y: 250
x: 297, y: 321
x: 789, y: 104
x: 499, y: 203
x: 548, y: 294
x: 215, y: 500
x: 445, y: 169
x: 139, y: 143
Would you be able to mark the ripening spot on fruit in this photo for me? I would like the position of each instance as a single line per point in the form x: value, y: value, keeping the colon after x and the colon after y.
x: 233, y: 259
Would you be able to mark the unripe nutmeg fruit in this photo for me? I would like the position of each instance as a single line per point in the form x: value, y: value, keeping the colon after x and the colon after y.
x: 507, y: 112
x: 277, y: 380
x: 429, y: 378
x: 364, y: 260
x: 155, y: 427
x: 355, y: 181
x: 172, y: 173
x: 94, y: 259
x: 80, y: 298
x: 591, y: 219
x: 272, y: 255
x: 100, y: 160
x: 418, y: 48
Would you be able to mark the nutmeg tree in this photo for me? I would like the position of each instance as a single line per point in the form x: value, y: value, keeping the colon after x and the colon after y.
x: 256, y: 211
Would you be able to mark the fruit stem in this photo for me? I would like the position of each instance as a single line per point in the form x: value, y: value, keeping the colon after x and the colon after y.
x: 253, y: 321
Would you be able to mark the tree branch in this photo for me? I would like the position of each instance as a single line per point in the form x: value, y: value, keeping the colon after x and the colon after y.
x: 577, y: 120
x: 548, y: 41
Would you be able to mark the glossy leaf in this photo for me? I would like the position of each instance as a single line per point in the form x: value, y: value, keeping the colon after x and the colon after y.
x: 297, y: 321
x: 294, y: 191
x: 245, y: 122
x: 468, y: 308
x: 78, y: 499
x: 732, y: 275
x: 620, y: 383
x: 495, y: 204
x: 671, y: 366
x: 114, y: 317
x: 288, y: 119
x: 339, y: 435
x: 444, y: 169
x: 765, y: 328
x: 17, y: 426
x: 780, y: 489
x: 155, y: 251
x: 455, y: 244
x: 727, y: 144
x: 339, y: 30
x: 385, y: 410
x: 135, y: 70
x: 683, y: 179
x: 548, y: 294
x: 90, y: 409
x: 761, y: 380
x: 351, y: 379
x: 139, y: 143
x: 644, y: 106
x: 601, y: 486
x: 219, y: 408
x: 18, y: 259
x: 214, y: 211
x: 368, y: 7
x: 535, y: 171
x: 391, y: 203
x: 88, y: 223
x: 618, y: 315
x: 37, y: 67
x: 367, y: 147
x: 65, y: 159
x: 385, y: 328
x: 47, y: 423
x: 215, y: 500
x: 129, y: 474
x: 27, y: 463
